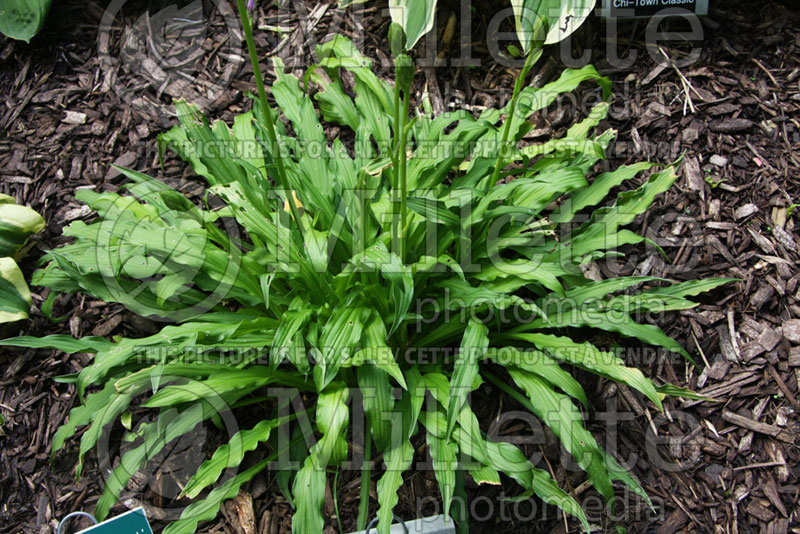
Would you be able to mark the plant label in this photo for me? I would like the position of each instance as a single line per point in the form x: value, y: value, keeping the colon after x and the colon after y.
x: 133, y: 522
x: 636, y: 9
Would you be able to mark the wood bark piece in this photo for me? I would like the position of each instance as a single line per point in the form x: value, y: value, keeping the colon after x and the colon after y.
x: 761, y: 428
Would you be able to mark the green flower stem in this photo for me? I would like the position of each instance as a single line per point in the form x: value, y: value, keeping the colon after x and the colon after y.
x: 262, y: 97
x: 363, y: 503
x: 396, y: 245
x: 530, y: 61
x: 403, y: 174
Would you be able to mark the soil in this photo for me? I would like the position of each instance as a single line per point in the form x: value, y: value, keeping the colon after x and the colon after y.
x: 81, y: 96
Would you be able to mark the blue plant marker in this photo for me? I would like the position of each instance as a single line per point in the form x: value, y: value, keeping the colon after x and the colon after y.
x: 133, y: 522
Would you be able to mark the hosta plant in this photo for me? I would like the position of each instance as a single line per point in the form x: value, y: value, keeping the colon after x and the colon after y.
x: 333, y: 266
x: 17, y: 223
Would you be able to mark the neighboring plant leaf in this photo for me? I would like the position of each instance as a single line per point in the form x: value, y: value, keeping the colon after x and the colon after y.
x: 23, y: 19
x: 416, y: 17
x: 15, y: 297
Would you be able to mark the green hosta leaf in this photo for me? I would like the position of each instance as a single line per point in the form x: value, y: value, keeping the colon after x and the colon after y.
x: 566, y: 422
x: 532, y: 99
x: 154, y: 375
x: 589, y: 357
x: 114, y: 407
x: 208, y: 508
x: 576, y: 141
x: 154, y: 437
x: 286, y: 341
x: 171, y: 340
x: 247, y: 145
x: 473, y: 347
x: 338, y: 338
x: 220, y: 383
x: 647, y: 302
x: 67, y: 344
x: 597, y: 191
x: 297, y: 107
x: 416, y: 17
x: 398, y: 459
x: 560, y: 415
x: 596, y: 290
x: 15, y: 297
x: 207, y: 149
x: 464, y: 296
x: 103, y: 408
x: 373, y: 97
x: 399, y: 276
x: 541, y: 364
x: 336, y: 106
x: 400, y: 454
x: 445, y: 463
x: 610, y: 322
x: 23, y: 19
x: 602, y: 231
x: 523, y: 271
x: 309, y: 484
x: 690, y: 288
x: 55, y: 278
x: 169, y: 285
x: 229, y: 455
x: 82, y: 415
x: 333, y: 417
x: 434, y: 210
x: 378, y: 402
x: 309, y: 496
x: 297, y: 454
x: 376, y: 350
x: 508, y: 459
x: 532, y: 193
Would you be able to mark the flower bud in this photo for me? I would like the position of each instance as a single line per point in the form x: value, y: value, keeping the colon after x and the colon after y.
x: 404, y: 71
x: 397, y: 39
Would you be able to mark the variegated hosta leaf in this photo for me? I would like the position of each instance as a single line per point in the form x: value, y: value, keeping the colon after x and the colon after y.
x: 15, y: 297
x: 17, y: 223
x: 416, y: 17
x: 548, y: 21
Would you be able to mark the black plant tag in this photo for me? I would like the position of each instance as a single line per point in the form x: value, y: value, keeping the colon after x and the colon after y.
x: 629, y: 9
